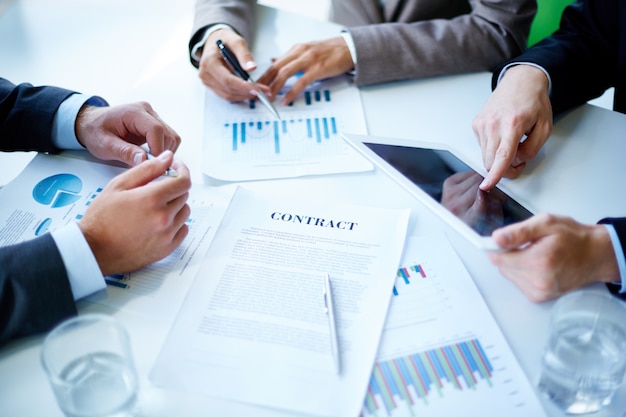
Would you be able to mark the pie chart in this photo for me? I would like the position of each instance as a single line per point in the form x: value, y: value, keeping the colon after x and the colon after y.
x: 58, y: 190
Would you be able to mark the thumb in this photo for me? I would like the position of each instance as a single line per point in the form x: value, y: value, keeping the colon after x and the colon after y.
x: 146, y: 171
x: 519, y: 234
x: 247, y: 60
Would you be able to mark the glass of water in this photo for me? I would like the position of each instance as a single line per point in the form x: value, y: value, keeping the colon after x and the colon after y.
x: 585, y: 358
x: 90, y: 367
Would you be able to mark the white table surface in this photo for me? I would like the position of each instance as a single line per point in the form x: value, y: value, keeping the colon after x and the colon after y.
x: 137, y: 50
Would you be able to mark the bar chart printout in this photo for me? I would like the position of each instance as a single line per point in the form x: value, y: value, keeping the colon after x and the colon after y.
x: 293, y: 138
x: 403, y: 381
x: 441, y: 352
x: 242, y: 141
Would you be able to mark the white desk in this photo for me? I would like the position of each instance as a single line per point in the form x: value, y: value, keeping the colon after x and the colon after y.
x: 129, y: 51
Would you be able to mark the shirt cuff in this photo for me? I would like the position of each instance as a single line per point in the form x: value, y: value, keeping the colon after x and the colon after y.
x: 350, y: 42
x: 196, y: 50
x: 619, y: 255
x: 63, y: 131
x: 532, y: 64
x: 82, y: 269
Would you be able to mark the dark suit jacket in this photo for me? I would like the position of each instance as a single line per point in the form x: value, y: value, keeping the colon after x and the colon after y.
x: 35, y: 292
x: 585, y: 57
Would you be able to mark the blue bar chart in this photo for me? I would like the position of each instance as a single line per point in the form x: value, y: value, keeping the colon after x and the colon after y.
x: 291, y: 138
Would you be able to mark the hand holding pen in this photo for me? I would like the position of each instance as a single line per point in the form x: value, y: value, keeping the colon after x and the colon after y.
x: 236, y: 68
x: 216, y: 74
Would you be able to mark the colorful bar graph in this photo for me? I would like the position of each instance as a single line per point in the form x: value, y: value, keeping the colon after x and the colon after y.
x: 406, y: 273
x: 411, y: 379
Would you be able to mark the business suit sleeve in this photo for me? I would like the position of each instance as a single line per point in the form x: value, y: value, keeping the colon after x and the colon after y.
x: 582, y: 56
x: 239, y: 14
x: 26, y: 116
x: 424, y: 38
x: 35, y: 293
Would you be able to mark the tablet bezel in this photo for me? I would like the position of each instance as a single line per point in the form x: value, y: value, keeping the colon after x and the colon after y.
x: 357, y: 141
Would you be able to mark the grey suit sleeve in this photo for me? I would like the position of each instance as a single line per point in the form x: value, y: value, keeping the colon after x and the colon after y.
x: 35, y: 293
x: 239, y: 14
x: 416, y: 45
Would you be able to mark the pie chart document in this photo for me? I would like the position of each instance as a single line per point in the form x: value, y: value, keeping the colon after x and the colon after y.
x: 55, y: 190
x: 51, y: 192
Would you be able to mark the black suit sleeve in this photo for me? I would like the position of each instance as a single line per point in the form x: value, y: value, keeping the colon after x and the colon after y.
x: 35, y: 293
x: 582, y: 55
x: 26, y: 115
x: 619, y: 224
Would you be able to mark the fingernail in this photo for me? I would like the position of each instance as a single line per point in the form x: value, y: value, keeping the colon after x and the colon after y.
x: 250, y: 64
x: 485, y: 184
x: 137, y: 158
x: 165, y: 155
x: 254, y: 93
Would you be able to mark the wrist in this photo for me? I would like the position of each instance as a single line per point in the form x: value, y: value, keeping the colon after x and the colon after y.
x: 606, y: 268
x: 80, y: 125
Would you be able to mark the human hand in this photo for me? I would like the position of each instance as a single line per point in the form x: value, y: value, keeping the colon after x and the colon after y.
x: 138, y: 218
x: 317, y: 60
x: 479, y: 209
x: 116, y: 132
x: 218, y: 76
x: 518, y: 106
x: 551, y: 255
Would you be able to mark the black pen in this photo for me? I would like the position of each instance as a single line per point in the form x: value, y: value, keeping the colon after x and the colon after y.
x: 235, y: 66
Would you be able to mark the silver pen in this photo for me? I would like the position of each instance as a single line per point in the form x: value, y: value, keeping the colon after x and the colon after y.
x: 330, y: 312
x: 170, y: 172
x: 235, y: 66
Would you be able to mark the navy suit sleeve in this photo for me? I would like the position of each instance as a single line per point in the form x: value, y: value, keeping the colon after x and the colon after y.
x: 26, y: 116
x: 35, y: 293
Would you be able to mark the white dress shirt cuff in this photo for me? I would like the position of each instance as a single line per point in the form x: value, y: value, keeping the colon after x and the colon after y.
x: 619, y: 255
x: 82, y: 269
x: 63, y: 131
x: 532, y: 64
x: 196, y: 50
x: 350, y: 42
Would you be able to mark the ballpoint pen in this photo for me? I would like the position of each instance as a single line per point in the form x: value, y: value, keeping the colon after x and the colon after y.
x: 330, y: 312
x: 234, y: 65
x: 170, y: 172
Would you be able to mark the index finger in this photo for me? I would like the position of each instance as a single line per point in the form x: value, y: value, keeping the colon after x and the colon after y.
x: 502, y: 159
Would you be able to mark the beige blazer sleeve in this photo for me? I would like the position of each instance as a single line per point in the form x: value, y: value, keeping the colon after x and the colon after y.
x: 424, y: 38
x: 408, y: 38
x: 239, y: 14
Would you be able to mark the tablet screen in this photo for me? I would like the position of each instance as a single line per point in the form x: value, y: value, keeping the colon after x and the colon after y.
x: 454, y: 185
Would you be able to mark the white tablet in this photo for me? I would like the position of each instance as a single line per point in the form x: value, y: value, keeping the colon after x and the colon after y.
x: 435, y: 175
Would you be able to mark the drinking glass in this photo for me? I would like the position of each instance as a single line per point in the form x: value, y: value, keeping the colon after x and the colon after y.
x: 585, y: 358
x: 90, y: 367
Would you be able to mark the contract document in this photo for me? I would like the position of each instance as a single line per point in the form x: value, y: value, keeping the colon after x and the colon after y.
x: 253, y: 327
x: 54, y: 190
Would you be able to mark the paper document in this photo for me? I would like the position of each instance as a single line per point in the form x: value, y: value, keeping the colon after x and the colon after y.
x: 253, y: 327
x: 243, y: 141
x: 442, y: 353
x: 54, y: 190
